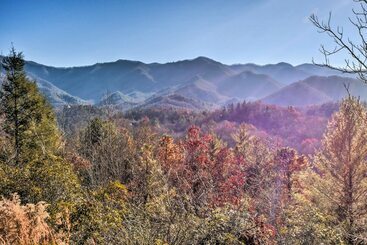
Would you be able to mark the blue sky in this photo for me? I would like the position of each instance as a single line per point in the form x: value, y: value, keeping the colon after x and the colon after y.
x: 81, y: 32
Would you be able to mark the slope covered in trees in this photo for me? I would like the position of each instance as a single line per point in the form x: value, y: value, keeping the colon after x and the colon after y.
x: 152, y: 177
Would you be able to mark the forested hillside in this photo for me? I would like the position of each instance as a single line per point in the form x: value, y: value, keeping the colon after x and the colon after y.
x: 247, y: 173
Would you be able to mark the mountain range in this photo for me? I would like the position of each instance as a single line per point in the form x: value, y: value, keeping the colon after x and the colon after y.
x: 198, y: 83
x: 317, y: 90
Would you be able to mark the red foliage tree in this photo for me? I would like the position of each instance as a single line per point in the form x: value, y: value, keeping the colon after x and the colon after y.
x: 202, y: 168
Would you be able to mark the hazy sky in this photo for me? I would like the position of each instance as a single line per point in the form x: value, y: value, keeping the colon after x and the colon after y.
x: 80, y: 32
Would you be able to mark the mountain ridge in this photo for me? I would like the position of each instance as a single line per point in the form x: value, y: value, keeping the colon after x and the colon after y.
x: 200, y: 79
x: 88, y: 82
x: 325, y: 89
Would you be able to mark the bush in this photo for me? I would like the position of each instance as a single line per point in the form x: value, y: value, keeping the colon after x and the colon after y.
x: 26, y: 224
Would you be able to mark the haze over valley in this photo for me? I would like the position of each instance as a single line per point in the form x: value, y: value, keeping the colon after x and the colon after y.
x: 202, y: 82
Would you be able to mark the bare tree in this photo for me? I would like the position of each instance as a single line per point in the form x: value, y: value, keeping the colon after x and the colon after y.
x: 355, y: 50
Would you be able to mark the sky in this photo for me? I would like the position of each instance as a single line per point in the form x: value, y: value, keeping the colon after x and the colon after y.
x: 82, y: 32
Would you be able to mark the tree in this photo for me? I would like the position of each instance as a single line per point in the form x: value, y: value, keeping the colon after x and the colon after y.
x: 29, y: 119
x: 258, y: 169
x: 339, y: 182
x: 356, y: 50
x: 109, y: 150
x: 148, y: 180
x: 26, y: 224
x: 34, y: 167
x: 286, y: 167
x: 98, y: 218
x: 305, y: 217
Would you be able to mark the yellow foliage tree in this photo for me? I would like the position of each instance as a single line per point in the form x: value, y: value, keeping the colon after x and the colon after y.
x: 336, y: 187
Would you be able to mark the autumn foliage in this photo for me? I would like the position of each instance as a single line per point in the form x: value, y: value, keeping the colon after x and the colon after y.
x: 234, y: 178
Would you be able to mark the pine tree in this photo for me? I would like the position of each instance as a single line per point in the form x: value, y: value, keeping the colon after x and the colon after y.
x: 109, y: 150
x: 29, y: 119
x: 36, y: 169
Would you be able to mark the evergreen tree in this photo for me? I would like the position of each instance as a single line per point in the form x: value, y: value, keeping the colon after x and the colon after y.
x: 109, y: 150
x: 35, y: 169
x: 29, y: 119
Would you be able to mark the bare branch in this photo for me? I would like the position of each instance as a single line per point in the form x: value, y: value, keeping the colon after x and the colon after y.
x: 356, y: 51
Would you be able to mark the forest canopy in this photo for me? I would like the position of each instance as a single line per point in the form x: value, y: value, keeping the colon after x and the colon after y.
x: 86, y: 176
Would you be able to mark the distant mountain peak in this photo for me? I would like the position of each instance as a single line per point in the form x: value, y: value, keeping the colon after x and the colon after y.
x: 203, y: 58
x: 285, y: 64
x: 124, y: 61
x: 199, y: 60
